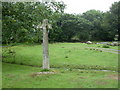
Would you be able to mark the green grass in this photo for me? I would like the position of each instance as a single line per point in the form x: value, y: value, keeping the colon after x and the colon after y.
x: 70, y: 55
x: 20, y: 76
x: 70, y: 61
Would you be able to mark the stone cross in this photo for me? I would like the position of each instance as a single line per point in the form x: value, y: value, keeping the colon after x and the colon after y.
x: 45, y: 26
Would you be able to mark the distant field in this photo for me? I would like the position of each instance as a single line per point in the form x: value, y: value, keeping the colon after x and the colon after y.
x: 64, y: 55
x: 20, y: 76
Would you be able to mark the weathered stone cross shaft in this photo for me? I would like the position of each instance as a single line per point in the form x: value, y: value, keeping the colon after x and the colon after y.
x: 45, y: 26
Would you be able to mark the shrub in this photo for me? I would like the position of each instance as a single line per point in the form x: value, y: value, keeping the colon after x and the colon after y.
x: 106, y: 46
x: 45, y: 70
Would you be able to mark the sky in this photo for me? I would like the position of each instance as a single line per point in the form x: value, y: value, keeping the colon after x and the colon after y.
x: 80, y: 6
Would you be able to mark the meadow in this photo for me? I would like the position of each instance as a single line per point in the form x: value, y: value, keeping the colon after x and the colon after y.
x: 75, y: 66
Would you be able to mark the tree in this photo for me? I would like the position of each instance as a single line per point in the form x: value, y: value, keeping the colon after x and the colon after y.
x: 20, y: 19
x: 111, y: 22
x: 96, y: 18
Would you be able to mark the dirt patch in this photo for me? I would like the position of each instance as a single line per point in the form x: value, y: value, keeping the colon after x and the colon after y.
x: 41, y: 73
x: 82, y: 78
x: 10, y: 75
x: 115, y: 77
x: 33, y: 75
x: 45, y: 73
x: 101, y: 82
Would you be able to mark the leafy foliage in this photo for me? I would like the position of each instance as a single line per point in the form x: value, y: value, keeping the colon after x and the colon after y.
x: 20, y: 21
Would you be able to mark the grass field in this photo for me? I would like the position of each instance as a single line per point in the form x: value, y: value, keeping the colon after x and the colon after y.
x: 71, y: 55
x: 72, y: 63
x: 19, y: 76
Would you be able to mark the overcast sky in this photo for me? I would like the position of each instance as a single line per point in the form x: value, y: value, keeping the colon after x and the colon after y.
x: 80, y: 6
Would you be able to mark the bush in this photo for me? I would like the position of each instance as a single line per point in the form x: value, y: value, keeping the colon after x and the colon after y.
x: 45, y: 70
x: 106, y: 46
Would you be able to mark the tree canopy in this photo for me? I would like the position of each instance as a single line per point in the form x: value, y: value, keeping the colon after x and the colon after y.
x: 20, y: 20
